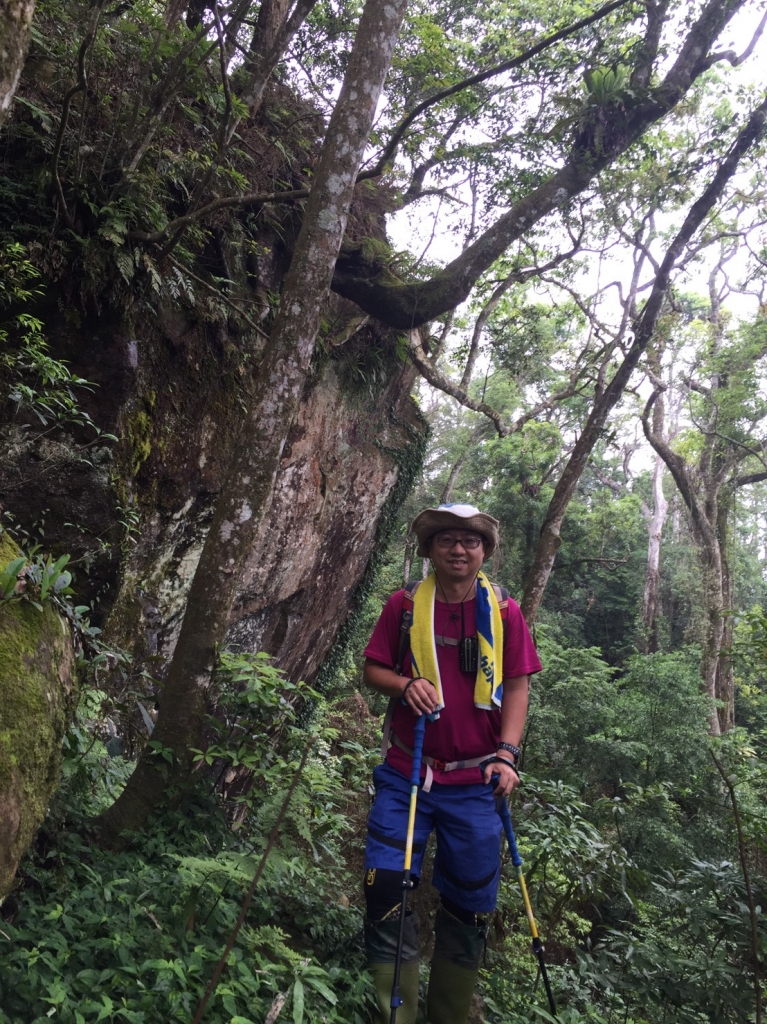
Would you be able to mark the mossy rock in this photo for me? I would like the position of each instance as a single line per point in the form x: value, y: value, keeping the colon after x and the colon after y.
x: 36, y: 697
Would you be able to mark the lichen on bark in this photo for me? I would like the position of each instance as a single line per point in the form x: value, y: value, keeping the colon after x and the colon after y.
x: 36, y: 699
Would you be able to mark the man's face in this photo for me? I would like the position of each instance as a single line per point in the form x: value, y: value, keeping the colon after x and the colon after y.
x: 457, y: 555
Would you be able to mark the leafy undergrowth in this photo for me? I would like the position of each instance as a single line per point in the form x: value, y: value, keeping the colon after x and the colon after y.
x: 629, y: 855
x: 134, y: 936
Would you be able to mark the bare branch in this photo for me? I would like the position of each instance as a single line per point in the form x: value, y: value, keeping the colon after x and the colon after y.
x: 438, y: 380
x: 220, y: 295
x: 731, y: 57
x: 749, y: 478
x: 615, y: 485
x: 79, y: 86
x: 516, y: 277
x: 227, y: 202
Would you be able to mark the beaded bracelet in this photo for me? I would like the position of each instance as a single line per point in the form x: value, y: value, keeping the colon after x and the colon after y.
x: 511, y: 749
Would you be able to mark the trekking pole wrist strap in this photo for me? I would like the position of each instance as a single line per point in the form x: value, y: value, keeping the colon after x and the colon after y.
x: 500, y: 760
x: 408, y: 684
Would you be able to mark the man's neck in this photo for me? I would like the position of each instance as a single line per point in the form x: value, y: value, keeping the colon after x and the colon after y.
x: 454, y: 591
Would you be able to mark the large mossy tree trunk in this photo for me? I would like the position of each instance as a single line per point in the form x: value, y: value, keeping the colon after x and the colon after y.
x: 249, y: 486
x: 36, y: 701
x: 15, y: 24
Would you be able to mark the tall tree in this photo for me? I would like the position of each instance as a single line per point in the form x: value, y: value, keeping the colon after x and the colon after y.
x: 728, y: 453
x: 283, y: 370
x: 643, y: 330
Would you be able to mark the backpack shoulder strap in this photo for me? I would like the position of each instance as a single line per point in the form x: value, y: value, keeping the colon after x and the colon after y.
x: 406, y: 620
x: 502, y: 597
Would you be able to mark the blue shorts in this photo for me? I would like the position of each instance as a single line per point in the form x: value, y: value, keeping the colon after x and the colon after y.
x: 467, y: 866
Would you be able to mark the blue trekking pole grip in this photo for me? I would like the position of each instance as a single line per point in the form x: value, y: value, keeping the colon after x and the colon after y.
x: 415, y: 779
x: 420, y: 729
x: 508, y: 828
x: 516, y: 860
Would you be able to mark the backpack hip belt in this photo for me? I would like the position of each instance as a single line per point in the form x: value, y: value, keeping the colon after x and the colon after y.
x: 434, y: 762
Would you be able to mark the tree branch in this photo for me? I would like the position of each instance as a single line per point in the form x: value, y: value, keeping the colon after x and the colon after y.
x: 482, y: 76
x: 79, y: 86
x: 604, y: 134
x: 516, y: 277
x: 750, y: 478
x: 438, y: 380
x: 227, y: 202
x: 442, y: 383
x: 680, y: 472
x: 643, y: 332
x: 731, y: 57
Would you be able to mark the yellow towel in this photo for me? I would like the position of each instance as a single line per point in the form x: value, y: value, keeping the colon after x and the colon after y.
x: 488, y: 689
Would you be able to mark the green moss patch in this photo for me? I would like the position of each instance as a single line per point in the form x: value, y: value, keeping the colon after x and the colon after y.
x: 36, y: 689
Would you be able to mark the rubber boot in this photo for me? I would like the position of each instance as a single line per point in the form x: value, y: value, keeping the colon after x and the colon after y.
x: 458, y: 950
x: 383, y: 979
x: 451, y: 989
x: 381, y: 947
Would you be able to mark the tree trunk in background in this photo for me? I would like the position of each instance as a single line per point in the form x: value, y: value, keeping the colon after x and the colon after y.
x: 448, y: 490
x: 650, y: 604
x: 725, y: 679
x: 248, y: 490
x: 700, y: 490
x: 15, y: 23
x: 271, y: 15
x: 713, y: 597
x: 407, y: 567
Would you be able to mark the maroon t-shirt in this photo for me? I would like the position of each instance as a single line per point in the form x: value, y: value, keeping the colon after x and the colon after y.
x: 462, y: 730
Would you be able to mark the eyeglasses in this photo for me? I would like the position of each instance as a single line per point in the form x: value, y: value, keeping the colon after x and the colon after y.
x: 445, y: 541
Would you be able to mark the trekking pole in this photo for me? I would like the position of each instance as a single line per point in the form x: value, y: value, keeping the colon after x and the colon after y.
x: 415, y: 779
x: 516, y: 860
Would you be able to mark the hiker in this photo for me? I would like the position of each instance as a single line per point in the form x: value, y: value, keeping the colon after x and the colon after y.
x: 466, y: 662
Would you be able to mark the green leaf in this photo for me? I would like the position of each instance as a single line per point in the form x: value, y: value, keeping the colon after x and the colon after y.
x: 323, y: 989
x: 298, y: 1002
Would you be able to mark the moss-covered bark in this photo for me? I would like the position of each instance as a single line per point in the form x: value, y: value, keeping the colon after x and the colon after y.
x: 15, y: 23
x: 36, y: 690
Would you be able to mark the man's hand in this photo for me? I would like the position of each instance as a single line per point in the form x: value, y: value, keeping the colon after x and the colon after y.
x: 421, y: 696
x: 508, y: 780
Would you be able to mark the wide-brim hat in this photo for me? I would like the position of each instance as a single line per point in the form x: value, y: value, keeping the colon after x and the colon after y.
x: 454, y: 517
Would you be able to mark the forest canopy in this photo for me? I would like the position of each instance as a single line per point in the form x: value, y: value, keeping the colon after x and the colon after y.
x: 273, y: 277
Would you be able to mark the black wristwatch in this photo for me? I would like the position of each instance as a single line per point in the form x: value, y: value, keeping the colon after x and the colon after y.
x: 510, y: 748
